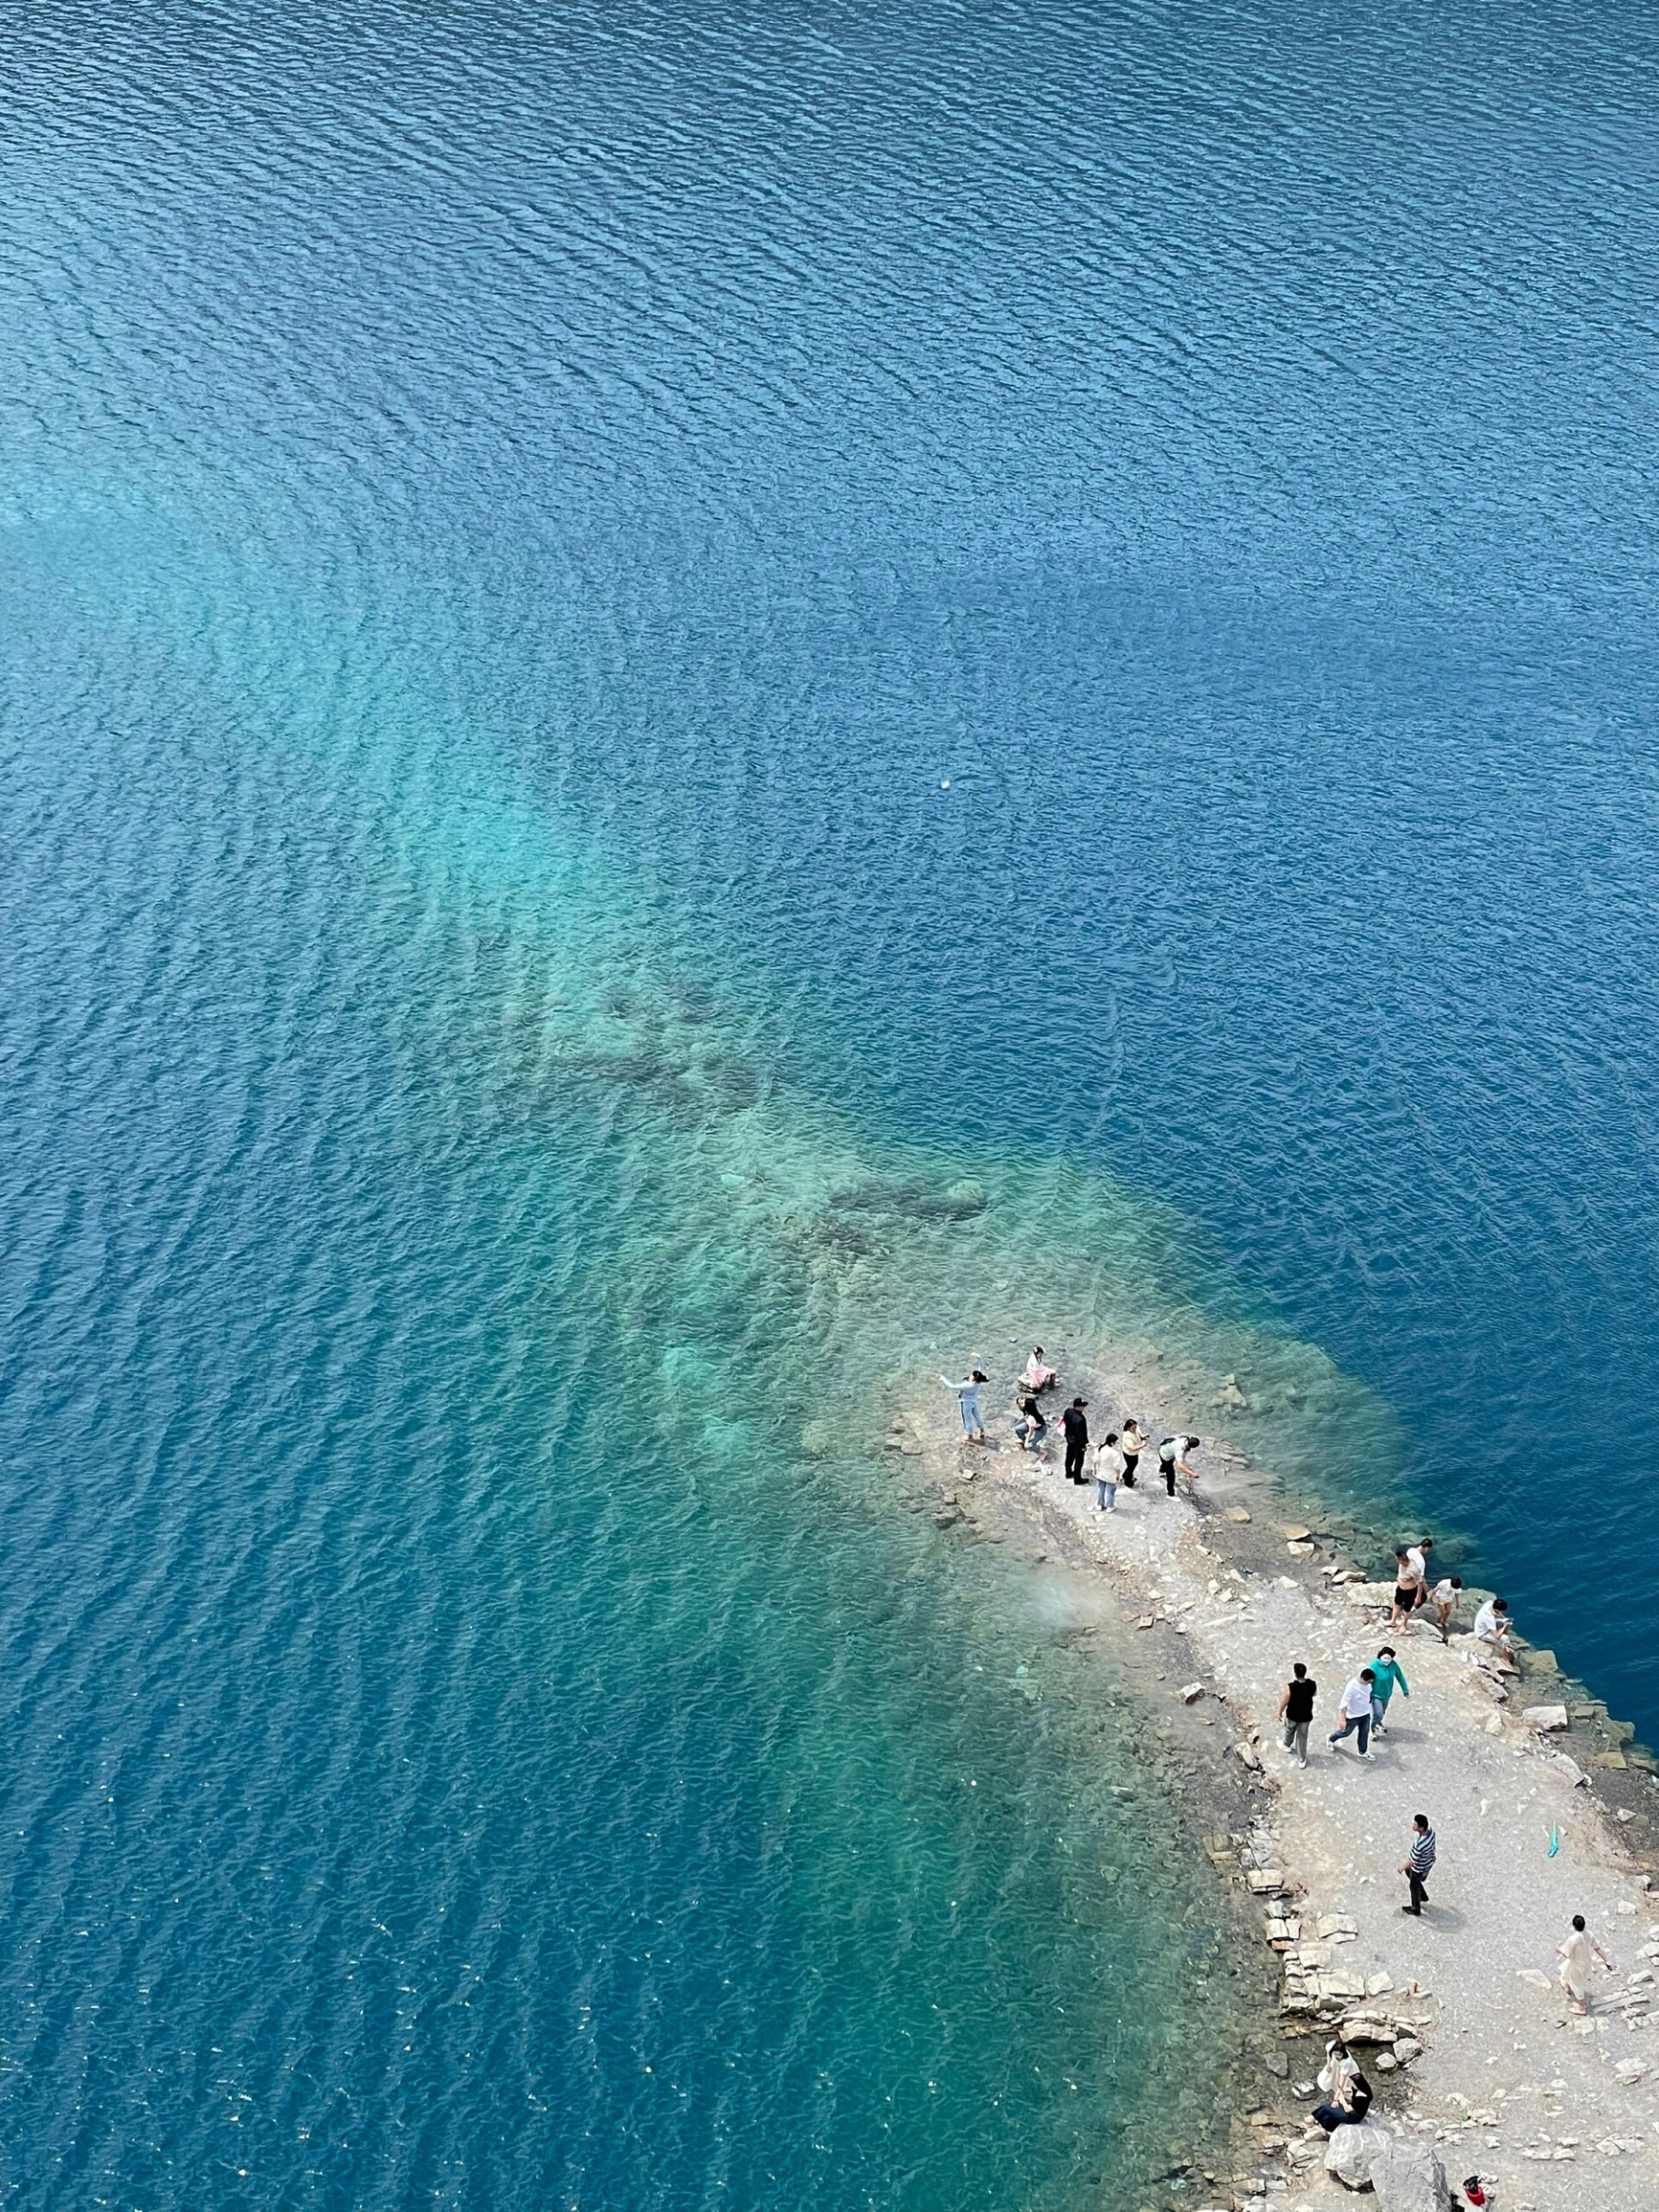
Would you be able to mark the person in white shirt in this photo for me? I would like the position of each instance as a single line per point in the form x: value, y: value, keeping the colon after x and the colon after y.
x: 1575, y: 1955
x: 1446, y: 1593
x: 1410, y: 1582
x: 1172, y: 1458
x: 1109, y: 1469
x: 1356, y: 1712
x: 1038, y: 1375
x: 1492, y: 1625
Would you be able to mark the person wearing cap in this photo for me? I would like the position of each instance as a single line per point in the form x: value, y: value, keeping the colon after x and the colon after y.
x: 1075, y: 1422
x: 1357, y: 1712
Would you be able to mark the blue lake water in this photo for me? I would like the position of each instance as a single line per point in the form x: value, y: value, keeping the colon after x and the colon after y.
x: 702, y: 701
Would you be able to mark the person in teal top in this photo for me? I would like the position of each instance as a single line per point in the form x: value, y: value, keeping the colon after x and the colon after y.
x: 1387, y: 1677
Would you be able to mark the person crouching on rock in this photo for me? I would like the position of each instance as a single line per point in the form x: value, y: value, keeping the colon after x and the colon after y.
x: 1032, y: 1429
x: 1172, y: 1458
x: 1347, y: 2092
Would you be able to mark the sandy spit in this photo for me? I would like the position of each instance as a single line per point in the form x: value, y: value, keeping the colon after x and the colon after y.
x: 1468, y: 2037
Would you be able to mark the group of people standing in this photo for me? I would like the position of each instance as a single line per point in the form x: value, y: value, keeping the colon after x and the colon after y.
x: 1114, y: 1461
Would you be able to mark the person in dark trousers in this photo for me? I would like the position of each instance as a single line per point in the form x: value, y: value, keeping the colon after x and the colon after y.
x: 1172, y: 1458
x: 1296, y: 1710
x: 1131, y: 1444
x: 1417, y: 1863
x: 1357, y: 1712
x: 1075, y: 1422
x: 1348, y: 2091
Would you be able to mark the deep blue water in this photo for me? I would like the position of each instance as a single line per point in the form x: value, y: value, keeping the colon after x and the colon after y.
x: 699, y: 699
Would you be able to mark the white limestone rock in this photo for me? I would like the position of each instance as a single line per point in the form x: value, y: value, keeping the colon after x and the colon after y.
x: 1354, y: 2152
x: 1408, y: 2177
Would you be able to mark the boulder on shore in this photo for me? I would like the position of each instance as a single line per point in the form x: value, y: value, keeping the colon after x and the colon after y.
x: 1409, y: 2177
x: 1548, y: 1718
x: 1352, y: 2151
x: 1404, y: 2172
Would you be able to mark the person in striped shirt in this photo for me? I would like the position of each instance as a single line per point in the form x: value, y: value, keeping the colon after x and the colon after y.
x: 1417, y: 1863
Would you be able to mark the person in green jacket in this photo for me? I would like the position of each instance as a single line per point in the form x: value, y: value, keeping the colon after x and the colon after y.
x: 1387, y: 1677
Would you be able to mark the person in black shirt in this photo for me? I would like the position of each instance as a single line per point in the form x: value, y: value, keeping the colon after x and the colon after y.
x: 1296, y: 1710
x: 1075, y: 1422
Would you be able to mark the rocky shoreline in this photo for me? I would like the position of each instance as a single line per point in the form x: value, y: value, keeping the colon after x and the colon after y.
x: 1543, y: 1804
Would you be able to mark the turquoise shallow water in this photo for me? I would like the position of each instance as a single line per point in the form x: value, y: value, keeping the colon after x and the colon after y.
x: 701, y: 702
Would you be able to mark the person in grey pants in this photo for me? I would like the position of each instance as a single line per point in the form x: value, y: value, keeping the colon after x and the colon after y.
x: 1296, y: 1710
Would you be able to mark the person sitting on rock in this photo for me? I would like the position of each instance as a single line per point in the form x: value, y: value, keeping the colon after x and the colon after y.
x: 1492, y: 1625
x: 1347, y: 2092
x: 1038, y: 1376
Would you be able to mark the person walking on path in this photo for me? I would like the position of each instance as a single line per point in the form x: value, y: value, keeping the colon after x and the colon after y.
x: 1171, y: 1458
x: 968, y: 1398
x: 1131, y: 1444
x: 1446, y: 1593
x: 1107, y: 1473
x: 1418, y: 1863
x: 1388, y: 1676
x: 1296, y: 1710
x: 1075, y: 1422
x: 1357, y: 1712
x: 1575, y: 1955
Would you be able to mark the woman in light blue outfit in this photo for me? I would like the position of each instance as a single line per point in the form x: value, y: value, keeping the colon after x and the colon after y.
x: 968, y: 1398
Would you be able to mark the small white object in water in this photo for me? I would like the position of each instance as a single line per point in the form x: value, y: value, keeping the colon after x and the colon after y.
x: 944, y: 783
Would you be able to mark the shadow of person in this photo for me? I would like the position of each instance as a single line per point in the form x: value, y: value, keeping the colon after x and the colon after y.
x: 1446, y: 1917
